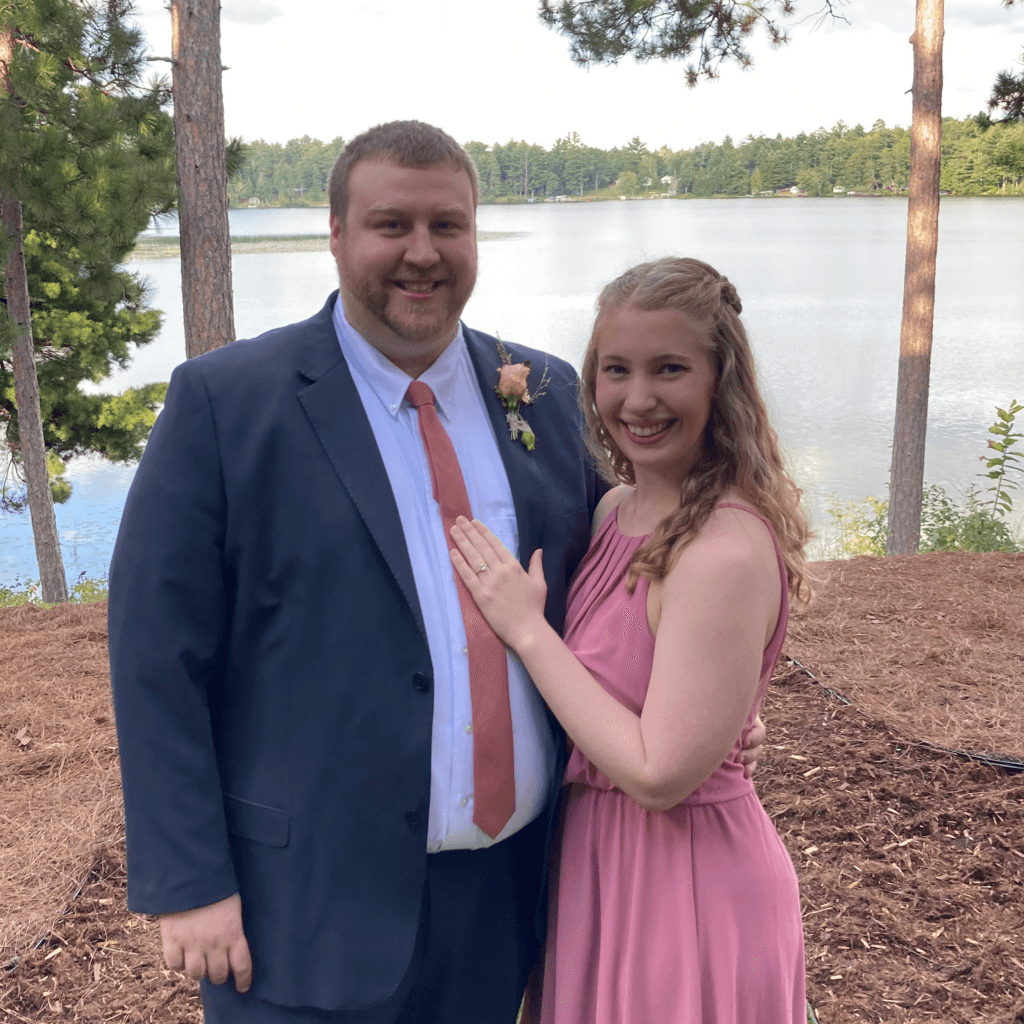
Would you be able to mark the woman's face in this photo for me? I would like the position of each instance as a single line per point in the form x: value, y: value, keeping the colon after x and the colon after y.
x: 655, y: 382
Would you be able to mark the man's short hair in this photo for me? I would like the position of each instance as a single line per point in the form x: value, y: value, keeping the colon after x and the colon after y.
x: 405, y: 143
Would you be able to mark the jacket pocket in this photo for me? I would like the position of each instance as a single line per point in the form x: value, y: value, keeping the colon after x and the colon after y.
x: 256, y: 821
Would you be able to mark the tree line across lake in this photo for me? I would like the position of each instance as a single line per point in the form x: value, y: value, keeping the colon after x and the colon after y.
x: 978, y: 158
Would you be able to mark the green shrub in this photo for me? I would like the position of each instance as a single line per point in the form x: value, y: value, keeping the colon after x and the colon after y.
x: 82, y: 591
x: 862, y: 526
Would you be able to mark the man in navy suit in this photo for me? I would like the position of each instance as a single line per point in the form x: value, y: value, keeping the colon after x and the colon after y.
x: 287, y: 656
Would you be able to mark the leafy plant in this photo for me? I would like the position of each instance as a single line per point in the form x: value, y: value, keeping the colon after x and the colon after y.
x: 861, y: 525
x: 84, y: 591
x: 970, y: 527
x: 998, y: 465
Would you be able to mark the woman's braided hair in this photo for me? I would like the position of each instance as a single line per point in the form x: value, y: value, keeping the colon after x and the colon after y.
x: 740, y: 448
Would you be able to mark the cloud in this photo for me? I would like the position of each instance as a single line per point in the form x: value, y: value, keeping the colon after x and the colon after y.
x: 958, y: 14
x: 984, y: 13
x: 253, y: 12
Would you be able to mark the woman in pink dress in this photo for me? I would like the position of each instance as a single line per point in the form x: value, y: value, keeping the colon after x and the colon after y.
x: 672, y: 897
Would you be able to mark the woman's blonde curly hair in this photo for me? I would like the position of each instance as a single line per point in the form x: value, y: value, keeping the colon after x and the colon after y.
x: 740, y: 447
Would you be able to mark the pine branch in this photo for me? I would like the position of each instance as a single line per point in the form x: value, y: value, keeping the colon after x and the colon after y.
x: 604, y: 31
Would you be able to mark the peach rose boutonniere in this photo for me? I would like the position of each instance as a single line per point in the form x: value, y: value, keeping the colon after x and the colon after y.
x: 511, y: 389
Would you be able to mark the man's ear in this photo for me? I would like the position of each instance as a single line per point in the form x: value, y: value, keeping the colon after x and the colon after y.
x: 337, y: 231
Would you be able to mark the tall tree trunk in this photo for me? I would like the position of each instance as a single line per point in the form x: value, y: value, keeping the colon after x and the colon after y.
x: 202, y: 176
x: 26, y: 385
x: 907, y: 474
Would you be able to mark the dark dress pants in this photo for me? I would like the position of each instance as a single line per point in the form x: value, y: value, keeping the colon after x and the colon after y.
x: 474, y: 948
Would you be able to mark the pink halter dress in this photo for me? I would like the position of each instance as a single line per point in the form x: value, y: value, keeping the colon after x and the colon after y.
x: 686, y: 916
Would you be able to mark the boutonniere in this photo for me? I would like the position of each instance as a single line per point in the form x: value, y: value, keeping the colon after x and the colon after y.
x: 512, y: 391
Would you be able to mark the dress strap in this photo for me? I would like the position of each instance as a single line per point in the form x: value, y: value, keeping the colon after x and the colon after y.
x: 743, y: 508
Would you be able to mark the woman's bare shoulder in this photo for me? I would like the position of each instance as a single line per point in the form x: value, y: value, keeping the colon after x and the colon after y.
x: 607, y: 505
x: 731, y: 540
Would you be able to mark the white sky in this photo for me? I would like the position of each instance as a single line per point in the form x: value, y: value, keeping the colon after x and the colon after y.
x: 491, y: 71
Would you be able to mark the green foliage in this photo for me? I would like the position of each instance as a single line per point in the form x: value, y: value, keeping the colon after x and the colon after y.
x: 971, y: 525
x: 83, y: 591
x: 89, y: 152
x: 293, y: 174
x: 877, y: 162
x: 605, y: 31
x: 627, y: 183
x: 16, y: 501
x: 862, y: 527
x: 999, y: 465
x: 1008, y: 94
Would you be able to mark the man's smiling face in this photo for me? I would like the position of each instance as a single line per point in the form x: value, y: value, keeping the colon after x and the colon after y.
x: 406, y: 257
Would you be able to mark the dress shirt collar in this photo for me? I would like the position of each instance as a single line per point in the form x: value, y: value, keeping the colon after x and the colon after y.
x: 387, y: 382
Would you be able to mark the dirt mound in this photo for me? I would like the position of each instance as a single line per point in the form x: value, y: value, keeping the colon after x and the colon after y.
x: 910, y: 857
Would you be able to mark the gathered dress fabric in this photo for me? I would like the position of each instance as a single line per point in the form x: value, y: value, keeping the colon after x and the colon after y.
x: 684, y: 916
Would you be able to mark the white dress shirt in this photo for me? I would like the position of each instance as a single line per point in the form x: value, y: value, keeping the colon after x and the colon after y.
x: 395, y: 424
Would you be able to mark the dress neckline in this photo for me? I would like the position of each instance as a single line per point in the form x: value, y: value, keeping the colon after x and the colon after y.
x: 629, y: 536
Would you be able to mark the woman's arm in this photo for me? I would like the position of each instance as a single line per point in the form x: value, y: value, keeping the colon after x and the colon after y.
x: 720, y: 604
x: 706, y: 658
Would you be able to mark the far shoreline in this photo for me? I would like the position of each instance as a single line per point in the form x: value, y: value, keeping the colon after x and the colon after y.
x: 157, y: 248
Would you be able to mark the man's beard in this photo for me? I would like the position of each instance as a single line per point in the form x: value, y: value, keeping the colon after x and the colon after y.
x: 414, y: 328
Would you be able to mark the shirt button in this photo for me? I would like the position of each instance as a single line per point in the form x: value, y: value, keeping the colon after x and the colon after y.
x: 412, y: 818
x: 394, y: 407
x: 465, y: 650
x: 464, y: 801
x: 469, y: 728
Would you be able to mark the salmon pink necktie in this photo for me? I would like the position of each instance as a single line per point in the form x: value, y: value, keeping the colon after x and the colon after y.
x: 494, y: 780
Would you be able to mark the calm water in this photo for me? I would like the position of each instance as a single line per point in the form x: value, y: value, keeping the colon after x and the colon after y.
x: 821, y: 282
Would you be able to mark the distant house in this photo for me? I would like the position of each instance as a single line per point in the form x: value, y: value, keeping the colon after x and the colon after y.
x: 838, y: 189
x: 254, y: 201
x: 561, y: 199
x: 673, y: 183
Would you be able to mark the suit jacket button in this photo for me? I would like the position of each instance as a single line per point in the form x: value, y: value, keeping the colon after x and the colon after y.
x: 412, y: 818
x: 421, y: 682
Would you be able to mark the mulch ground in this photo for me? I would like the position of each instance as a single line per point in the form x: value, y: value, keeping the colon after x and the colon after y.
x: 910, y: 856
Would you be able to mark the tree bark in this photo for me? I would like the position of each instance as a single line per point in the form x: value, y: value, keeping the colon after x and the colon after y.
x: 907, y: 473
x: 26, y: 385
x: 202, y: 175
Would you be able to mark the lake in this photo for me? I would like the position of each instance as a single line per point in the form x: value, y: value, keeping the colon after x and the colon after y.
x: 821, y: 282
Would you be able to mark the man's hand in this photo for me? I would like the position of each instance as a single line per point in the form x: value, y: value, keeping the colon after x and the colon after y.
x: 208, y: 942
x: 752, y: 751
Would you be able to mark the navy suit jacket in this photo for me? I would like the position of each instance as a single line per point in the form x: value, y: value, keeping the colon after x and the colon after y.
x: 271, y: 676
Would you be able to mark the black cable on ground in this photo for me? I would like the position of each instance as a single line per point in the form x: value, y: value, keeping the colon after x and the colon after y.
x: 1011, y: 765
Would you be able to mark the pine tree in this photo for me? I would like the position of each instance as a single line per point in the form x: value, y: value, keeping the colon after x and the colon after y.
x: 86, y: 156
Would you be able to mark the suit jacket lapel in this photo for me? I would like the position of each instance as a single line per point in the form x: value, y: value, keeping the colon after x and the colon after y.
x: 523, y: 468
x: 335, y: 411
